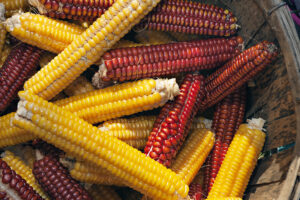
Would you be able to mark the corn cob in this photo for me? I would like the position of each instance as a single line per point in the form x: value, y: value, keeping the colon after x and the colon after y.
x: 193, y: 154
x: 84, y: 141
x: 160, y: 60
x: 174, y: 121
x: 4, y: 54
x: 46, y: 33
x: 240, y: 160
x: 23, y: 170
x: 14, y: 6
x: 56, y: 180
x: 2, y: 37
x: 190, y: 17
x: 196, y: 191
x: 153, y: 37
x: 120, y: 100
x: 16, y: 69
x: 88, y: 47
x: 228, y: 116
x: 11, y: 135
x: 13, y: 186
x: 237, y: 72
x: 99, y: 192
x: 88, y: 10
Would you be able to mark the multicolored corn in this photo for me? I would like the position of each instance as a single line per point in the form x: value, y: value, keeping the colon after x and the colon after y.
x: 119, y: 100
x: 82, y: 140
x: 13, y: 186
x: 100, y: 192
x: 240, y: 160
x: 22, y: 169
x: 80, y: 86
x: 160, y: 60
x: 88, y: 10
x: 228, y: 117
x: 56, y: 180
x: 174, y: 121
x: 88, y: 47
x: 43, y: 32
x: 14, y: 6
x: 190, y: 17
x: 237, y: 72
x: 20, y: 63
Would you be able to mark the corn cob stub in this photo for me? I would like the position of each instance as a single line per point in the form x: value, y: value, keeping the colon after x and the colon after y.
x: 119, y: 100
x: 82, y: 140
x: 240, y: 161
x: 20, y: 63
x: 160, y: 60
x: 237, y: 72
x: 88, y: 10
x: 190, y: 17
x: 228, y: 117
x: 56, y: 180
x: 88, y: 47
x: 13, y: 186
x: 174, y: 121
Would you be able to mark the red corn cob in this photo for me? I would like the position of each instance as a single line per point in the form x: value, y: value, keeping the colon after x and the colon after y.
x: 56, y: 180
x: 190, y: 17
x: 237, y: 72
x: 85, y: 10
x: 228, y: 115
x: 173, y: 123
x: 159, y: 60
x: 17, y: 68
x: 13, y: 186
x: 195, y: 191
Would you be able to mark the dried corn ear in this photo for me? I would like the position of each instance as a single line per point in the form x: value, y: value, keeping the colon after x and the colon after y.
x: 119, y: 100
x: 237, y: 72
x: 167, y: 59
x: 100, y: 192
x: 88, y: 47
x: 80, y: 86
x: 18, y: 165
x: 17, y: 68
x: 190, y: 17
x: 14, y: 6
x: 46, y: 33
x: 84, y: 141
x: 174, y: 121
x: 13, y: 186
x: 240, y: 160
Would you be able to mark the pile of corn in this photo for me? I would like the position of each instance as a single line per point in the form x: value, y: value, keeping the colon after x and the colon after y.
x: 88, y: 138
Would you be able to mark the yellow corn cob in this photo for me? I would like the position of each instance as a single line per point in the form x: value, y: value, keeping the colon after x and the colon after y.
x: 43, y: 32
x: 2, y: 37
x: 153, y: 37
x: 119, y: 100
x: 193, y: 154
x: 89, y: 173
x: 46, y: 58
x: 84, y: 141
x: 80, y: 86
x: 88, y: 47
x: 99, y: 192
x: 14, y: 6
x: 5, y: 52
x: 23, y: 170
x: 240, y: 160
x: 225, y: 198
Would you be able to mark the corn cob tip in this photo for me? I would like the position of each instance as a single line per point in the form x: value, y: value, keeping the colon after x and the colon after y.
x: 2, y: 12
x: 97, y: 81
x: 36, y: 3
x: 168, y: 88
x: 256, y: 123
x: 13, y: 22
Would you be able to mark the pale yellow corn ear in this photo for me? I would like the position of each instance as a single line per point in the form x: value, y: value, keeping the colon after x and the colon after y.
x: 193, y: 154
x: 100, y: 192
x: 80, y: 86
x: 19, y: 166
x: 120, y: 100
x: 83, y: 141
x: 46, y: 33
x: 240, y: 161
x: 14, y: 6
x: 153, y: 37
x: 88, y: 47
x: 4, y: 54
x: 46, y: 58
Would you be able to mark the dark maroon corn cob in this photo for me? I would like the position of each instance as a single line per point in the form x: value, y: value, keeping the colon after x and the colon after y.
x: 173, y: 123
x: 13, y: 186
x: 46, y: 149
x: 195, y: 191
x: 228, y: 116
x: 56, y: 180
x: 17, y: 68
x: 166, y: 59
x: 190, y: 17
x: 237, y: 72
